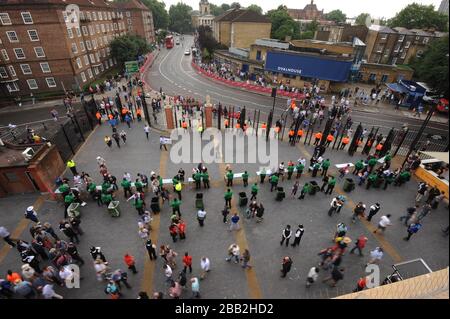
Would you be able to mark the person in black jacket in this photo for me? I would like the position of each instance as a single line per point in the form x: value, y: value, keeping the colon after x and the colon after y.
x: 73, y: 252
x: 286, y: 266
x: 298, y: 235
x: 286, y: 235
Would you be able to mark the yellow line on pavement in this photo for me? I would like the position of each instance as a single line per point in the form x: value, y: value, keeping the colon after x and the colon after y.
x: 21, y: 226
x: 241, y: 240
x: 149, y: 266
x: 388, y: 248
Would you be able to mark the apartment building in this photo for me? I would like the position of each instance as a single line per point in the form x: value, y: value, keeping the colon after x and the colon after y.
x: 397, y: 45
x: 43, y: 49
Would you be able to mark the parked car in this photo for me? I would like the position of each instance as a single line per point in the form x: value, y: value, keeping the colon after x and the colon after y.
x: 187, y: 52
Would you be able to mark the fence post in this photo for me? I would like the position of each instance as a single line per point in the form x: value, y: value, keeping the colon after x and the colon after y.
x: 67, y: 139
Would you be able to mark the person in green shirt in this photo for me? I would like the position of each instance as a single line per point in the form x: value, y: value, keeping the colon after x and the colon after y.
x: 331, y: 184
x: 228, y: 195
x: 403, y: 178
x: 139, y: 205
x: 388, y: 180
x: 205, y: 178
x: 254, y: 191
x: 230, y: 176
x: 262, y: 175
x: 316, y: 167
x: 68, y: 199
x: 290, y: 170
x: 139, y: 186
x: 359, y: 165
x: 273, y: 182
x: 371, y: 180
x: 91, y: 187
x: 245, y: 178
x: 197, y: 179
x: 372, y: 162
x: 325, y: 165
x: 126, y: 184
x: 175, y: 204
x: 305, y: 190
x: 106, y: 199
x: 105, y: 187
x: 300, y: 167
x: 64, y: 189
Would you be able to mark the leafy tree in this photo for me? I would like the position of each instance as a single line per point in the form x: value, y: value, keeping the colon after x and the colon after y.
x: 432, y: 66
x: 128, y: 48
x: 207, y: 41
x: 361, y: 19
x: 307, y: 35
x: 282, y: 24
x: 160, y: 15
x: 235, y: 5
x: 180, y: 18
x: 312, y: 26
x: 336, y: 16
x: 256, y: 8
x: 417, y: 16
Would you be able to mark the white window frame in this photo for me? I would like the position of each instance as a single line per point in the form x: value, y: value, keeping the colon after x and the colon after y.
x: 401, y: 38
x: 47, y: 69
x: 102, y: 27
x: 78, y: 31
x: 97, y: 28
x: 35, y: 82
x: 5, y: 16
x: 16, y: 87
x: 85, y: 30
x: 31, y: 38
x: 426, y: 40
x: 12, y: 71
x: 79, y: 63
x: 92, y: 58
x: 403, y: 55
x: 36, y: 52
x: 4, y: 54
x: 94, y: 15
x: 89, y: 71
x: 88, y: 45
x: 70, y: 33
x: 128, y: 14
x: 103, y: 53
x: 383, y: 36
x: 83, y: 77
x: 89, y: 16
x: 408, y: 44
x: 26, y: 69
x: 74, y: 46
x: 100, y: 15
x: 394, y: 61
x: 82, y: 46
x: 23, y: 53
x: 86, y: 59
x: 3, y: 73
x: 23, y: 18
x: 96, y: 71
x: 100, y: 41
x: 97, y: 55
x: 94, y: 44
x: 91, y: 30
x: 11, y: 35
x: 48, y: 84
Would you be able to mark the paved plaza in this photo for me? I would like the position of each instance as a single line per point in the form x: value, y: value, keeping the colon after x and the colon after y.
x: 118, y: 236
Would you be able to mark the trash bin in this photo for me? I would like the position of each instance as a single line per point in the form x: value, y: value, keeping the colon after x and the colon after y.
x: 314, y: 188
x: 73, y: 210
x: 113, y: 208
x: 243, y: 200
x: 280, y: 194
x: 349, y: 185
x: 154, y: 205
x: 199, y: 201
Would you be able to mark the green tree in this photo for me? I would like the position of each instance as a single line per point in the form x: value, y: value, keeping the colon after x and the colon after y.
x: 432, y: 66
x: 417, y: 16
x: 361, y: 19
x: 282, y: 24
x: 160, y: 15
x: 128, y: 48
x: 312, y: 26
x: 336, y: 16
x: 180, y: 18
x: 256, y: 8
x: 235, y: 5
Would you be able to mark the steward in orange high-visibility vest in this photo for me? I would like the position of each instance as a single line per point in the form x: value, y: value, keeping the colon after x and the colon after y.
x: 345, y: 141
x: 184, y: 125
x: 238, y: 126
x: 291, y: 133
x: 318, y: 137
x: 264, y: 126
x: 292, y: 137
x: 330, y: 139
x: 226, y: 123
x: 99, y: 118
x: 379, y: 147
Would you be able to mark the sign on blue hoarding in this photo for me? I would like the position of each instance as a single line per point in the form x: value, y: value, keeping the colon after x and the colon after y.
x: 317, y: 67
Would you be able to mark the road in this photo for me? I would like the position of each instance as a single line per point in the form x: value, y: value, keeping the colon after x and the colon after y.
x: 172, y: 71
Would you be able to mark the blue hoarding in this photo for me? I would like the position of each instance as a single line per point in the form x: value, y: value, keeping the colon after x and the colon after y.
x: 308, y: 66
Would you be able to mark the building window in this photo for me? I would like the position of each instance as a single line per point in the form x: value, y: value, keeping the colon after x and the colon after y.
x: 97, y: 28
x: 401, y: 38
x: 94, y: 15
x: 397, y: 47
x: 100, y: 41
x: 26, y: 69
x: 51, y: 83
x: 83, y: 76
x: 33, y: 35
x: 129, y: 22
x: 83, y: 48
x: 86, y: 59
x: 89, y: 71
x: 74, y: 48
x: 383, y: 36
x: 88, y: 45
x: 97, y: 55
x: 394, y: 61
x: 92, y: 58
x: 380, y: 48
x: 85, y: 30
x: 79, y: 64
x: 26, y: 17
x: 12, y: 86
x: 78, y: 31
x: 111, y: 62
x: 100, y: 15
x: 88, y: 14
x: 384, y: 78
x: 94, y: 44
x: 5, y: 55
x: 425, y: 40
x: 70, y: 33
x: 32, y: 84
x: 4, y: 18
x: 408, y: 44
x: 403, y: 55
x: 103, y: 53
x: 3, y: 73
x: 12, y: 71
x: 372, y: 77
x: 12, y: 36
x: 109, y: 15
x: 82, y: 15
x: 20, y: 55
x: 39, y: 52
x: 102, y: 26
x: 91, y: 30
x: 45, y: 67
x: 128, y: 14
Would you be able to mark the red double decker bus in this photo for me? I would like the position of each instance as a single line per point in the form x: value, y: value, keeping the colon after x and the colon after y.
x: 169, y: 42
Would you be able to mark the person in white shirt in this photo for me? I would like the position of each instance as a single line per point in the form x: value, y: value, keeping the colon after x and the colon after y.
x: 233, y: 252
x: 376, y: 255
x: 100, y: 161
x: 49, y: 293
x: 298, y: 235
x: 168, y: 273
x: 66, y: 274
x: 205, y: 266
x: 313, y: 274
x: 127, y: 176
x: 201, y: 215
x: 383, y: 223
x: 146, y: 130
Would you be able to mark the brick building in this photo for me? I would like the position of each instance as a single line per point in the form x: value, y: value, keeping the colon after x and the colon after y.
x: 45, y: 47
x: 341, y: 33
x: 239, y: 28
x: 203, y: 16
x: 309, y: 12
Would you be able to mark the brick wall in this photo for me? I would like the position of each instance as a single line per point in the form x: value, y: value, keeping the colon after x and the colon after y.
x: 245, y: 33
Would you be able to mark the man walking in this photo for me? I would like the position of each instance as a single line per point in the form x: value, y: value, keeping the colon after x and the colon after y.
x: 201, y: 216
x: 205, y: 265
x: 146, y: 130
x: 273, y: 182
x: 286, y: 235
x: 286, y: 266
x: 334, y: 206
x: 412, y: 229
x: 228, y: 195
x: 31, y: 214
x: 376, y: 255
x: 331, y: 183
x: 254, y: 191
x: 72, y: 166
x: 233, y: 252
x: 5, y: 234
x: 375, y: 208
x: 130, y: 262
x: 151, y: 249
x: 360, y: 244
x: 187, y: 262
x: 358, y: 211
x: 424, y: 212
x: 234, y: 224
x: 325, y: 165
x: 383, y: 223
x: 298, y: 235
